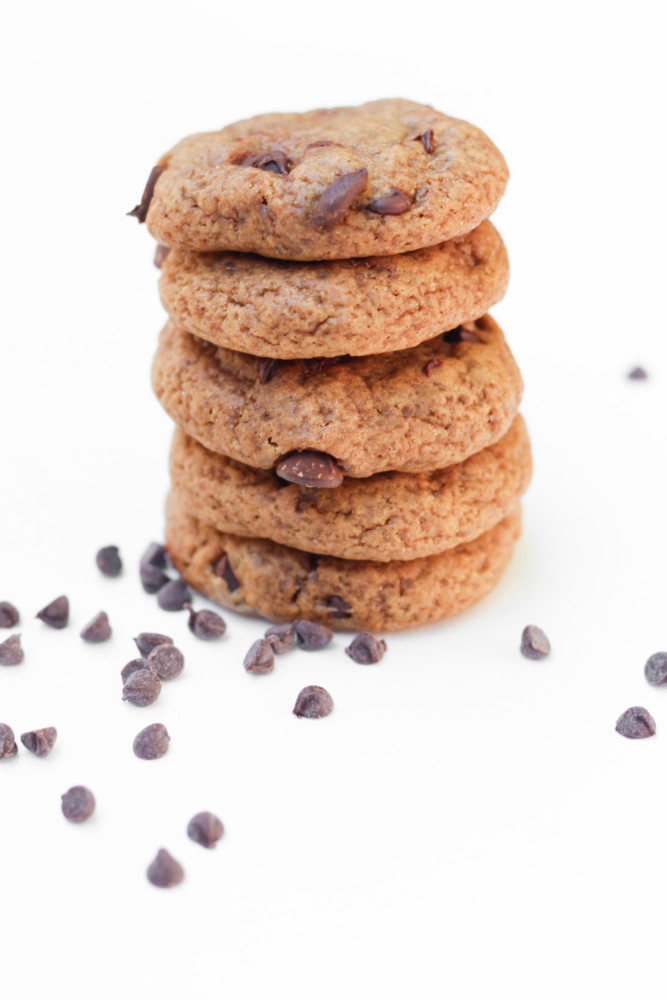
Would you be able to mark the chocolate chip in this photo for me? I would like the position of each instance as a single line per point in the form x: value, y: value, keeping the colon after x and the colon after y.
x: 267, y: 369
x: 365, y: 648
x: 152, y: 578
x: 430, y: 365
x: 223, y: 569
x: 98, y: 629
x: 155, y: 555
x: 310, y: 468
x: 259, y: 658
x: 149, y: 640
x: 635, y: 724
x: 277, y: 161
x: 638, y: 373
x: 132, y: 667
x: 40, y: 741
x: 394, y: 203
x: 55, y: 614
x: 335, y: 200
x: 160, y: 255
x: 9, y: 616
x: 11, y: 653
x: 205, y: 829
x: 280, y: 638
x: 426, y: 139
x: 322, y: 142
x: 338, y: 607
x: 174, y: 595
x: 452, y: 336
x: 206, y: 624
x: 8, y: 747
x: 167, y: 661
x: 140, y: 211
x: 152, y: 742
x: 534, y: 643
x: 164, y: 871
x: 464, y: 333
x: 142, y: 688
x: 313, y: 702
x: 108, y: 560
x: 317, y: 366
x: 312, y: 636
x: 655, y: 669
x: 78, y: 804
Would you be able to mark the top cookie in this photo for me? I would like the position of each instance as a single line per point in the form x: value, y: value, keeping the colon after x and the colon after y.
x: 383, y: 178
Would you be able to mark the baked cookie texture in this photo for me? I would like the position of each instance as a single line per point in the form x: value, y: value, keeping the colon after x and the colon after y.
x: 264, y: 185
x: 412, y: 411
x: 283, y: 584
x: 390, y: 516
x: 290, y: 309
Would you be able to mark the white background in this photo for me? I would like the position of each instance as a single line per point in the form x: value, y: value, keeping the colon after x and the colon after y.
x: 467, y: 823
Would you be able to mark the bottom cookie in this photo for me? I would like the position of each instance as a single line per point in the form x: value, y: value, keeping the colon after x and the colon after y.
x: 255, y: 576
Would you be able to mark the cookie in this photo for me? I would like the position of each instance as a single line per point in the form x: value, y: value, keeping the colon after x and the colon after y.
x: 383, y: 178
x: 286, y: 309
x: 282, y: 583
x: 391, y: 516
x: 412, y: 411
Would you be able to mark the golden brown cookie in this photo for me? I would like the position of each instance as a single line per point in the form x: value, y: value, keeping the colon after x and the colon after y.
x: 283, y: 584
x: 382, y: 178
x: 290, y: 309
x: 390, y: 516
x: 412, y: 411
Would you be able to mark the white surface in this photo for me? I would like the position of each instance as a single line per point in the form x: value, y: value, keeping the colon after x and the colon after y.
x: 467, y: 823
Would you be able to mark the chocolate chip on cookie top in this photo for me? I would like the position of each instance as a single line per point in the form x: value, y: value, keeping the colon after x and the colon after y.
x: 383, y: 178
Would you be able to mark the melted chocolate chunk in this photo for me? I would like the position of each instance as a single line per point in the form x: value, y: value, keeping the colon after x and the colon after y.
x: 338, y: 607
x: 310, y: 468
x: 277, y: 162
x: 426, y: 139
x: 394, y: 203
x: 268, y: 367
x: 335, y: 200
x: 430, y: 365
x: 224, y: 570
x: 140, y: 211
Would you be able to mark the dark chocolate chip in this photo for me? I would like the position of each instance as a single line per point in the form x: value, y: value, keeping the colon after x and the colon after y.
x: 98, y: 629
x: 78, y: 804
x: 655, y: 669
x: 132, y: 667
x: 152, y: 578
x: 9, y: 616
x: 155, y: 555
x: 167, y: 661
x: 636, y: 724
x: 11, y: 653
x: 142, y: 688
x: 639, y: 374
x: 534, y: 643
x: 8, y: 747
x: 164, y: 871
x: 335, y: 200
x: 322, y: 142
x: 462, y: 334
x: 338, y: 607
x: 174, y: 595
x: 108, y: 560
x: 280, y: 638
x: 223, y: 569
x: 160, y: 255
x: 452, y: 336
x: 426, y: 139
x: 259, y: 658
x: 395, y: 203
x: 365, y: 648
x: 152, y: 742
x: 267, y: 369
x: 149, y: 640
x: 277, y: 161
x: 310, y: 468
x: 55, y: 614
x: 205, y: 829
x: 312, y: 636
x: 206, y: 624
x: 40, y: 741
x: 313, y: 702
x: 140, y: 211
x: 430, y: 365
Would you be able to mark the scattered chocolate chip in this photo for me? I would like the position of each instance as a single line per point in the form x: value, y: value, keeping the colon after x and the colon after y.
x: 534, y: 643
x: 636, y: 724
x: 280, y: 638
x: 638, y: 374
x: 40, y: 741
x: 338, y: 607
x: 132, y: 667
x: 8, y: 747
x: 152, y: 742
x: 98, y: 629
x: 149, y: 640
x: 335, y: 200
x: 267, y: 369
x: 277, y: 161
x: 78, y: 804
x: 655, y: 669
x: 108, y: 561
x: 164, y: 871
x: 205, y: 829
x: 152, y: 578
x: 310, y: 468
x: 223, y: 569
x: 174, y: 595
x: 462, y: 334
x: 142, y: 688
x: 9, y: 616
x: 140, y: 211
x: 311, y: 636
x: 155, y: 555
x: 452, y: 336
x: 426, y: 139
x: 206, y: 624
x: 365, y: 648
x: 167, y: 661
x: 259, y: 658
x: 160, y: 255
x: 11, y: 653
x: 313, y: 702
x: 55, y: 614
x: 430, y: 365
x: 394, y: 203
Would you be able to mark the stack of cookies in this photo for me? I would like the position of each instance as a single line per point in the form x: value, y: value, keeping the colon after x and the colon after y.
x: 348, y: 448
